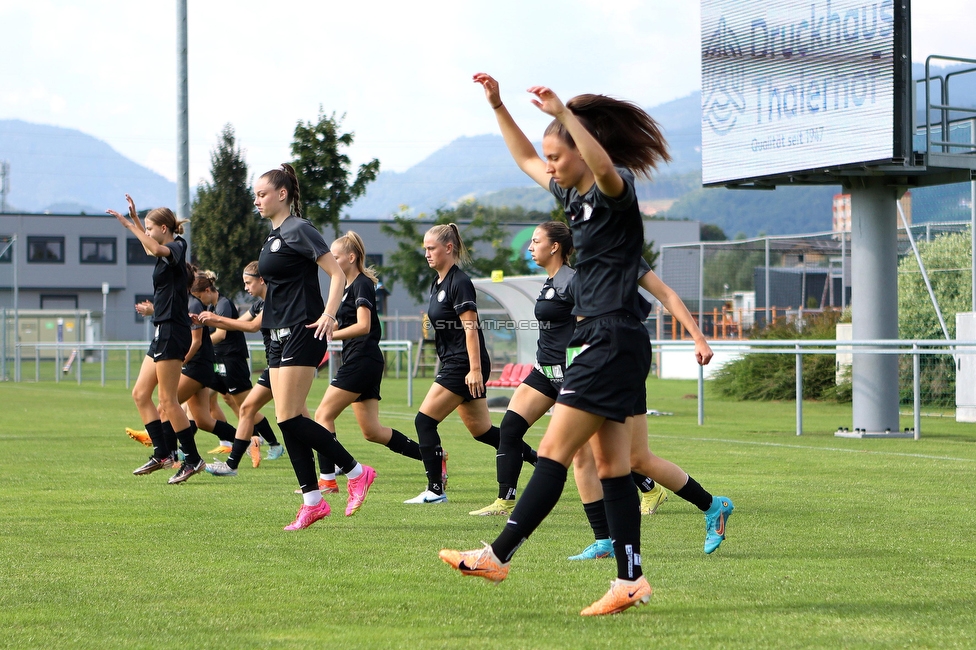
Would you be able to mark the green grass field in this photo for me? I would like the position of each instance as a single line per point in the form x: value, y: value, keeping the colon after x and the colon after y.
x: 834, y: 542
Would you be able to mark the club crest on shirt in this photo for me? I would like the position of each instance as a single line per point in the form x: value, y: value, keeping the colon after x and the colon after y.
x: 587, y: 211
x: 344, y: 297
x: 441, y: 295
x: 550, y: 293
x: 275, y: 245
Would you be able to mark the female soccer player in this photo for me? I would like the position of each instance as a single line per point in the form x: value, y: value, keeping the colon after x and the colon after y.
x: 171, y: 340
x: 301, y: 326
x: 233, y: 376
x: 260, y: 395
x: 464, y: 362
x: 357, y: 382
x: 592, y: 148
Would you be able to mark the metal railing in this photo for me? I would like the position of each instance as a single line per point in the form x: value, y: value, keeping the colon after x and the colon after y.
x: 799, y: 348
x: 73, y: 350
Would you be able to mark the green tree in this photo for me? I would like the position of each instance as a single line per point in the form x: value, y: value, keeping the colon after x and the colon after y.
x: 947, y: 260
x: 227, y: 231
x: 482, y: 230
x: 323, y: 170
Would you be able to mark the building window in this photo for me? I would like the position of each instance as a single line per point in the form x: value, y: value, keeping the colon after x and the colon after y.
x: 136, y: 254
x: 98, y: 250
x: 7, y: 254
x: 45, y: 250
x: 59, y: 302
x: 141, y: 297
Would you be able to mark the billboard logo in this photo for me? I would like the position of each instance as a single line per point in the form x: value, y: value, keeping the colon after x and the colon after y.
x: 723, y: 82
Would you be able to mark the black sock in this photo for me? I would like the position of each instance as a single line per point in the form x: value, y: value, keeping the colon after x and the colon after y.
x: 172, y: 444
x: 508, y: 460
x: 643, y: 483
x: 695, y: 494
x: 490, y: 437
x: 188, y: 444
x: 596, y: 514
x: 326, y: 464
x: 430, y: 451
x: 309, y: 432
x: 161, y: 448
x: 403, y: 445
x: 263, y: 429
x: 224, y: 431
x: 237, y: 452
x: 302, y: 459
x: 538, y: 499
x: 623, y: 514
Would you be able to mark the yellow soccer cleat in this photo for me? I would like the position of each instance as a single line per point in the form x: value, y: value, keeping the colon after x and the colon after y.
x: 651, y: 501
x: 498, y: 507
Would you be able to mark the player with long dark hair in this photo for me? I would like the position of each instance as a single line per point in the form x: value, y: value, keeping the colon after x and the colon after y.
x: 592, y: 148
x: 300, y: 327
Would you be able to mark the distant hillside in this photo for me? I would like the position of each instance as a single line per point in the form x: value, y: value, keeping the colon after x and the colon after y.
x: 53, y: 169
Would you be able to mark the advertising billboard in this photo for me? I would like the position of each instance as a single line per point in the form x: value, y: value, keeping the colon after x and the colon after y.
x: 790, y: 86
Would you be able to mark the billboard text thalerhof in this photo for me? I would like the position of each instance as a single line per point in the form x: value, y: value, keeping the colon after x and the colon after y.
x: 792, y: 86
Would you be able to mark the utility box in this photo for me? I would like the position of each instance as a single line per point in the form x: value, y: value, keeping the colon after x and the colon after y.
x: 844, y: 356
x: 966, y: 368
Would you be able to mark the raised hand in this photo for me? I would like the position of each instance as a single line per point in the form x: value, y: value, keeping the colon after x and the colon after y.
x: 492, y: 92
x: 132, y: 222
x: 547, y: 101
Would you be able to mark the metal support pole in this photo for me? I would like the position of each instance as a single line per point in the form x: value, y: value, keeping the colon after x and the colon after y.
x: 972, y: 218
x: 843, y: 270
x: 409, y: 373
x: 917, y: 390
x: 182, y: 120
x: 767, y: 283
x: 15, y: 261
x: 701, y: 286
x: 128, y: 369
x: 799, y: 392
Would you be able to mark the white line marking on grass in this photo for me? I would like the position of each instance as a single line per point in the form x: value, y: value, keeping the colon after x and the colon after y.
x: 839, y: 449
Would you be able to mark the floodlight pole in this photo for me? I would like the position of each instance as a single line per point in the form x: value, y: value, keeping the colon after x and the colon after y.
x: 874, y: 287
x: 182, y: 122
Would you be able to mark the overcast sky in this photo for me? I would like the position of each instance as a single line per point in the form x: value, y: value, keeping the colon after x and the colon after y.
x: 400, y: 71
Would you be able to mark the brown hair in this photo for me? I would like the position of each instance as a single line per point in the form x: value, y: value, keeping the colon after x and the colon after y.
x: 449, y: 234
x: 351, y: 242
x: 165, y: 217
x: 202, y: 281
x: 559, y: 233
x: 252, y: 269
x: 630, y: 136
x: 285, y: 177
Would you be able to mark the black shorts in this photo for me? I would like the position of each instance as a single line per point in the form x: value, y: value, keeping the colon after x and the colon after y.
x: 541, y: 383
x: 233, y: 375
x: 265, y: 379
x: 360, y: 374
x: 295, y: 346
x: 203, y: 373
x: 451, y: 377
x: 607, y: 377
x: 170, y: 341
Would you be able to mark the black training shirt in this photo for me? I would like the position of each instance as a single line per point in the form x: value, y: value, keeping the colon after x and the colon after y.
x: 361, y: 292
x: 554, y: 311
x: 206, y: 352
x: 448, y: 300
x: 170, y: 291
x: 256, y: 309
x: 608, y: 235
x: 234, y: 344
x: 287, y: 264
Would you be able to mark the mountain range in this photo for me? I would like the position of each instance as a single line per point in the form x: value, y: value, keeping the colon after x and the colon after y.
x: 62, y: 170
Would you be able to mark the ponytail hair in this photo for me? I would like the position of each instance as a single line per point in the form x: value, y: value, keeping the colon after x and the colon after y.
x: 559, y: 233
x: 191, y: 276
x: 252, y: 269
x: 449, y: 234
x: 352, y: 243
x: 165, y: 217
x: 285, y: 177
x: 203, y: 280
x: 630, y: 136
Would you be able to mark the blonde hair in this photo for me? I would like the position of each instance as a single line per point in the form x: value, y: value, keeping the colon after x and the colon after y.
x: 352, y: 243
x: 449, y: 234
